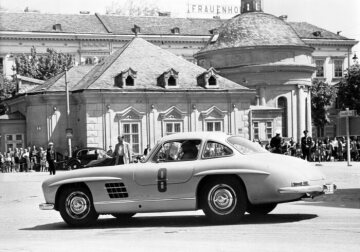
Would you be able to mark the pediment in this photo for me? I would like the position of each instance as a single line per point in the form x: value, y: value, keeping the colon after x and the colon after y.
x: 130, y: 114
x: 213, y: 112
x: 172, y: 113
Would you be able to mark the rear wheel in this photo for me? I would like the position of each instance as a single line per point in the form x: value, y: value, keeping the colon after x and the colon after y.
x: 76, y: 207
x: 261, y: 209
x: 74, y: 165
x: 223, y: 200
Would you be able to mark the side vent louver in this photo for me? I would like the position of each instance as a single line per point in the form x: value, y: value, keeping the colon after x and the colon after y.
x: 116, y: 190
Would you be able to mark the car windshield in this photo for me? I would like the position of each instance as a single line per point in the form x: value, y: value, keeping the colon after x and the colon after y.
x: 245, y: 146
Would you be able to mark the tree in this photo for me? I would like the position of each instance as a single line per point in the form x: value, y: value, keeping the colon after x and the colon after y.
x: 349, y: 89
x: 44, y: 66
x: 7, y: 90
x: 322, y: 96
x: 133, y: 8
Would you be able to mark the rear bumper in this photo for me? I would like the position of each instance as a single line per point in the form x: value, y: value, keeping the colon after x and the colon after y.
x: 310, y: 191
x: 46, y: 206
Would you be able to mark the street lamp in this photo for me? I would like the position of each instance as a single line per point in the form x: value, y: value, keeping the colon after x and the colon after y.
x: 68, y: 131
x: 355, y: 58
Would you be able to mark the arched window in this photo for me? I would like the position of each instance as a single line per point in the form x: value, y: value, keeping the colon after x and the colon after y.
x: 212, y: 81
x: 129, y: 81
x: 282, y: 103
x: 171, y: 81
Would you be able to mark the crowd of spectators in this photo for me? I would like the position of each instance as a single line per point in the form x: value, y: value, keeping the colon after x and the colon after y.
x: 24, y: 160
x: 319, y: 149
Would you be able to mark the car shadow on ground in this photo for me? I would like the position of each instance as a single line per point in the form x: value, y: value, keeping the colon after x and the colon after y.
x: 344, y: 198
x: 175, y: 221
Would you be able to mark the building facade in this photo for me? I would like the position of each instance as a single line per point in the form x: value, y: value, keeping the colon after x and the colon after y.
x: 141, y: 92
x: 276, y: 63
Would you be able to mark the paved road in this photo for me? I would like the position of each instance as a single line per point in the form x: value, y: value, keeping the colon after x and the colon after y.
x: 324, y: 224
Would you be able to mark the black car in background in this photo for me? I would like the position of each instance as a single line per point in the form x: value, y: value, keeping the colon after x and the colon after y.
x: 81, y: 157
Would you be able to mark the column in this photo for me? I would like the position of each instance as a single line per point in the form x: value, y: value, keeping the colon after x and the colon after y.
x: 308, y: 104
x: 300, y: 112
x: 262, y: 96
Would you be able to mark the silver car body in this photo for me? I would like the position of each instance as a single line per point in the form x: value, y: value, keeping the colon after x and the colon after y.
x: 267, y: 177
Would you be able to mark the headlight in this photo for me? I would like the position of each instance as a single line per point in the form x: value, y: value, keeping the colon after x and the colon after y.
x: 303, y: 183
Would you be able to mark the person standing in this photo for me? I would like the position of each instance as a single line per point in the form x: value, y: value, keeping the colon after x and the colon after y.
x: 51, y: 157
x: 306, y: 144
x: 275, y: 143
x: 42, y: 159
x: 26, y: 157
x: 122, y: 152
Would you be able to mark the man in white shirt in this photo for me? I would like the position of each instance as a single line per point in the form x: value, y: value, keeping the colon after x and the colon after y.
x: 122, y: 152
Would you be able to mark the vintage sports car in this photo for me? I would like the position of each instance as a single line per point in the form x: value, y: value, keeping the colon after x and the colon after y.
x: 223, y: 175
x: 81, y: 157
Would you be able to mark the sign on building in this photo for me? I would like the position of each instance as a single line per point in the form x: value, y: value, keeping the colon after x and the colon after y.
x: 210, y: 9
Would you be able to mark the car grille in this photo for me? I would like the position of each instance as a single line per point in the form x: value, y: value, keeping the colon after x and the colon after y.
x: 116, y: 190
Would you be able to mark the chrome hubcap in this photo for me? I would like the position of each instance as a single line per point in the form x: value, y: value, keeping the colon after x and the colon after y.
x: 222, y: 199
x: 77, y: 205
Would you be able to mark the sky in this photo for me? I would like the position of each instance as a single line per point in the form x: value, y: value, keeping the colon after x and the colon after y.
x: 333, y: 15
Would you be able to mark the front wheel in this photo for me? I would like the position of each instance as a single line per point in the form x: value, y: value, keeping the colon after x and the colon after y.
x: 261, y: 209
x: 76, y: 207
x: 223, y: 200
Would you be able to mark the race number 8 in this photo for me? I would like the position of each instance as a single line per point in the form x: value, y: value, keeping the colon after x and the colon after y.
x: 162, y: 185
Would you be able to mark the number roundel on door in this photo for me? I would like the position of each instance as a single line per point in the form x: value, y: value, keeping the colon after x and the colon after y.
x: 161, y: 178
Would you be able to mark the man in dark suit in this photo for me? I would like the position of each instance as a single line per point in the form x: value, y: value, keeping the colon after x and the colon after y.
x: 306, y: 143
x: 51, y: 158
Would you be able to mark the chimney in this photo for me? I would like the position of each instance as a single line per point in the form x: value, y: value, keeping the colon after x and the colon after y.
x: 164, y: 13
x: 283, y: 18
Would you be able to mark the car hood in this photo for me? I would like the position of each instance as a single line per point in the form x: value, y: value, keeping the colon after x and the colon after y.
x: 98, y: 172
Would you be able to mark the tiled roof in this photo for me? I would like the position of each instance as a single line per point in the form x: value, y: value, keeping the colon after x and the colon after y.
x: 36, y: 22
x: 308, y: 31
x: 254, y: 29
x: 122, y: 25
x: 149, y: 61
x: 160, y: 25
x: 57, y: 83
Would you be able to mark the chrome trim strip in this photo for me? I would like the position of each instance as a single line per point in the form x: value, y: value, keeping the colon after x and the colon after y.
x: 301, y: 189
x: 137, y: 201
x: 46, y: 206
x: 86, y: 179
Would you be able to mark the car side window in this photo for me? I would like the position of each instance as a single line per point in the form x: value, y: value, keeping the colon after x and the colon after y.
x: 178, y: 151
x: 216, y: 150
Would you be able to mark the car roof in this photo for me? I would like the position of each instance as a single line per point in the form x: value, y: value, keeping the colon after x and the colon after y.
x: 220, y: 136
x: 89, y: 148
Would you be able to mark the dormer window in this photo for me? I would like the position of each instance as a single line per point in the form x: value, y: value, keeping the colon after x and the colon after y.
x: 171, y: 81
x: 175, y: 30
x: 136, y: 29
x: 213, y: 31
x: 57, y: 27
x: 208, y: 79
x: 212, y: 81
x: 168, y: 79
x: 125, y: 78
x: 129, y: 81
x: 317, y: 33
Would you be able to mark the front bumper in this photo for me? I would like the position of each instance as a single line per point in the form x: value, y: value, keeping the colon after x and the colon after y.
x: 311, y: 191
x: 46, y: 206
